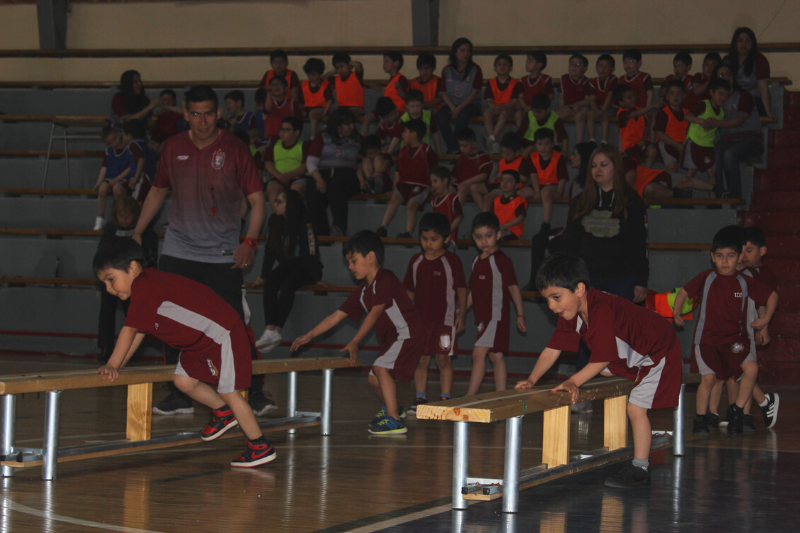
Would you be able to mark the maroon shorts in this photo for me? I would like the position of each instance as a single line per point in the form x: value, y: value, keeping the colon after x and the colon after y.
x: 139, y: 191
x: 401, y: 357
x: 413, y: 191
x: 725, y: 361
x: 493, y: 334
x: 698, y: 157
x: 228, y: 365
x: 637, y: 152
x: 658, y: 386
x: 442, y: 340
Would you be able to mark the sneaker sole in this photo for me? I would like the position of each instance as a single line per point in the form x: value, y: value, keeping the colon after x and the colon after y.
x: 723, y: 424
x: 399, y: 431
x: 268, y: 409
x: 182, y: 411
x: 616, y: 485
x: 221, y: 432
x: 775, y: 412
x: 268, y: 347
x: 251, y: 464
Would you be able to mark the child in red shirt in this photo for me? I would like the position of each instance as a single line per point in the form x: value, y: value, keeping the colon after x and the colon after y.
x: 701, y: 79
x: 536, y: 82
x: 390, y: 128
x: 572, y: 99
x: 165, y: 121
x: 348, y: 82
x: 472, y: 168
x: 681, y: 65
x: 279, y: 61
x: 640, y: 82
x: 277, y: 107
x: 445, y: 201
x: 599, y: 91
x: 427, y: 82
x: 374, y: 165
x: 501, y: 95
x: 509, y: 208
x: 317, y: 94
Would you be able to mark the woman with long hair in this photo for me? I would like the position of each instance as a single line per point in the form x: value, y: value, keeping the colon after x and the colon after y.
x: 750, y: 68
x: 462, y: 80
x: 131, y: 102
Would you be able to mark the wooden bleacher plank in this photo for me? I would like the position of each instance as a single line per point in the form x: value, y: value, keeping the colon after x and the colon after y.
x: 555, y: 436
x: 615, y: 423
x: 68, y: 120
x: 54, y: 154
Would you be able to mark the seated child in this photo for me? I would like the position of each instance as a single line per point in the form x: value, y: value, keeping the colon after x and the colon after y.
x: 652, y: 182
x: 143, y: 169
x: 348, y: 82
x: 261, y: 118
x: 279, y: 61
x: 317, y: 94
x: 427, y: 82
x: 400, y: 329
x: 187, y: 315
x: 501, y: 94
x: 489, y: 298
x: 285, y: 160
x: 114, y: 172
x: 411, y: 178
x: 472, y: 168
x: 397, y: 87
x: 549, y: 175
x: 681, y: 65
x: 390, y: 128
x: 509, y: 208
x: 165, y: 120
x: 670, y: 127
x: 238, y: 118
x: 445, y: 202
x: 542, y: 116
x: 572, y: 98
x: 435, y: 283
x: 415, y: 108
x: 534, y: 83
x: 278, y: 107
x: 640, y: 82
x: 722, y: 348
x: 511, y: 159
x: 632, y: 124
x: 374, y: 166
x: 625, y: 339
x: 599, y: 91
x: 701, y: 79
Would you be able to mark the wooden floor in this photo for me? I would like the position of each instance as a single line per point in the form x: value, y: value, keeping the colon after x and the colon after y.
x: 351, y: 481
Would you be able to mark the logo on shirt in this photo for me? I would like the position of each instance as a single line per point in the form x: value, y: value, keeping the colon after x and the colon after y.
x: 707, y: 160
x: 219, y: 159
x: 437, y: 273
x: 481, y: 327
x: 737, y: 294
x: 737, y: 347
x: 183, y: 157
x: 212, y: 368
x: 481, y: 277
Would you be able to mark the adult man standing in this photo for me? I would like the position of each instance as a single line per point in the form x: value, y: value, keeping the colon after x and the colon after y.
x: 209, y: 171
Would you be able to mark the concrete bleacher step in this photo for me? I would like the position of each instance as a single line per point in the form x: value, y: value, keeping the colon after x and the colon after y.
x: 780, y: 179
x: 774, y: 222
x: 775, y: 201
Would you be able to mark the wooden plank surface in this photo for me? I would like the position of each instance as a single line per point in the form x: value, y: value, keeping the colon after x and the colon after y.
x: 140, y: 412
x: 555, y: 437
x: 615, y: 422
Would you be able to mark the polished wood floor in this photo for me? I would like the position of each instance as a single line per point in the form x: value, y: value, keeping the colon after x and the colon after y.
x: 352, y: 481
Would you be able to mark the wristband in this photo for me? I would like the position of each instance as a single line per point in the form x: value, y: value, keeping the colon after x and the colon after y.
x: 252, y: 243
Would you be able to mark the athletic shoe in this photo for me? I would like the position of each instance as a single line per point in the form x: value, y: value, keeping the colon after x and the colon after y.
x: 748, y: 424
x: 257, y: 453
x: 221, y: 421
x: 99, y: 222
x: 735, y: 426
x: 712, y: 419
x: 382, y: 414
x: 381, y: 232
x: 268, y: 341
x: 388, y: 426
x: 770, y: 410
x: 176, y: 403
x: 700, y: 425
x: 728, y: 416
x: 261, y: 403
x: 405, y: 235
x: 416, y: 403
x: 629, y: 477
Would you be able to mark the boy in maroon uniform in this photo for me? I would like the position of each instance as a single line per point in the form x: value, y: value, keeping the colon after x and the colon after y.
x: 509, y: 207
x: 534, y: 83
x: 670, y: 127
x: 411, y: 181
x: 599, y: 91
x: 399, y: 327
x: 492, y: 284
x: 435, y: 283
x: 390, y: 128
x: 472, y: 168
x: 722, y: 346
x: 632, y: 124
x: 189, y: 316
x: 681, y: 65
x: 278, y: 107
x: 445, y: 201
x: 511, y: 159
x: 701, y: 79
x: 572, y: 99
x: 626, y: 340
x: 640, y: 82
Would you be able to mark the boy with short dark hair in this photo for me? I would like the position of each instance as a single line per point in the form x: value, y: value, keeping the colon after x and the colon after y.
x: 435, y: 283
x: 625, y: 339
x: 681, y: 65
x: 501, y: 95
x: 511, y: 159
x: 670, y: 126
x: 398, y: 84
x: 722, y: 346
x: 640, y: 82
x: 415, y: 109
x: 114, y: 172
x: 215, y: 347
x: 445, y: 201
x: 390, y: 128
x: 572, y: 99
x: 400, y: 329
x: 534, y: 83
x: 239, y: 119
x: 599, y: 92
x: 509, y: 208
x: 632, y: 124
x: 278, y: 107
x: 540, y: 116
x: 472, y: 168
x: 317, y: 94
x: 285, y: 159
x: 701, y: 79
x: 279, y: 61
x: 348, y: 82
x: 491, y: 285
x: 427, y: 82
x: 549, y: 175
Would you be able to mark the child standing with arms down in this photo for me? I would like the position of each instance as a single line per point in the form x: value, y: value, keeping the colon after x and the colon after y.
x: 435, y: 283
x: 189, y: 316
x: 399, y: 327
x: 491, y: 285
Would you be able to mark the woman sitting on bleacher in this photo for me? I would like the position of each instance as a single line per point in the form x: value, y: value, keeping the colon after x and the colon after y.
x: 751, y: 69
x: 131, y: 102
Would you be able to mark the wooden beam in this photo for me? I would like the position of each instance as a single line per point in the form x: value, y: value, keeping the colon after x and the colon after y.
x: 615, y: 423
x: 140, y: 412
x: 555, y: 437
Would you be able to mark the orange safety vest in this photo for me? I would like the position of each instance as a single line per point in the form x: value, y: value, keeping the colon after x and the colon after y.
x: 676, y: 129
x: 391, y: 92
x: 644, y: 176
x: 314, y: 99
x: 549, y: 175
x: 504, y: 96
x: 428, y: 90
x: 349, y: 93
x: 505, y: 213
x: 514, y: 165
x: 663, y: 302
x: 288, y: 77
x: 633, y: 132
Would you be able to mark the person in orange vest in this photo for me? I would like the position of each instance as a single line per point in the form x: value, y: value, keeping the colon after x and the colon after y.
x: 510, y: 209
x: 501, y: 94
x: 279, y: 61
x: 631, y: 121
x: 670, y: 127
x: 348, y: 82
x: 396, y: 89
x: 317, y: 94
x: 427, y: 82
x: 511, y: 159
x: 549, y: 175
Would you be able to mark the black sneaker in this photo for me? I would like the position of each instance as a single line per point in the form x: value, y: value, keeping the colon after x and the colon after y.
x: 712, y: 419
x: 770, y: 410
x: 700, y: 425
x: 176, y: 403
x: 381, y: 232
x: 222, y: 420
x: 417, y: 402
x: 735, y: 426
x: 748, y: 424
x: 261, y: 403
x: 728, y: 416
x: 405, y: 235
x: 629, y: 477
x: 257, y: 453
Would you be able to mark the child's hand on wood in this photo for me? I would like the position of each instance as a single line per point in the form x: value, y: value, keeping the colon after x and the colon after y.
x: 107, y: 370
x: 301, y: 340
x: 525, y: 384
x: 570, y: 387
x: 353, y: 349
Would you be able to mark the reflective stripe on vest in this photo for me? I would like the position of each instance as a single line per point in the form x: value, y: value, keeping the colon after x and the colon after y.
x: 286, y: 160
x: 505, y: 213
x: 314, y: 99
x: 349, y: 93
x: 504, y: 96
x: 697, y: 134
x: 548, y: 175
x: 426, y: 118
x: 533, y: 125
x: 391, y: 92
x: 676, y: 129
x: 633, y: 131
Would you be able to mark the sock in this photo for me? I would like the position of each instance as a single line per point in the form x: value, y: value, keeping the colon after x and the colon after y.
x: 422, y: 395
x: 641, y: 463
x: 260, y: 440
x: 766, y: 402
x: 446, y: 396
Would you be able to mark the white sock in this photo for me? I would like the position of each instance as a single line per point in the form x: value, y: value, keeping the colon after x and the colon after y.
x: 766, y: 401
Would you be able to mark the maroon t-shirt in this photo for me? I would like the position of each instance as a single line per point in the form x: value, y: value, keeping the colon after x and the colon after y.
x: 491, y: 277
x: 390, y: 132
x: 641, y: 83
x: 766, y: 275
x: 542, y: 84
x: 272, y: 120
x: 469, y: 166
x: 207, y: 188
x: 414, y: 164
x: 572, y: 90
x: 434, y: 284
x: 601, y: 89
x: 449, y: 206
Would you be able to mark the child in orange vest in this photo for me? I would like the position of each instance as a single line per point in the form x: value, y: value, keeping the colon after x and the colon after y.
x: 670, y: 126
x: 511, y: 159
x: 631, y: 122
x: 348, y: 82
x: 429, y: 84
x: 549, y: 175
x: 396, y: 89
x: 501, y: 95
x: 509, y: 208
x: 317, y: 94
x: 279, y: 61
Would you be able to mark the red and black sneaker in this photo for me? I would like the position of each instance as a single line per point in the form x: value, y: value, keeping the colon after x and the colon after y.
x: 222, y: 420
x: 258, y: 452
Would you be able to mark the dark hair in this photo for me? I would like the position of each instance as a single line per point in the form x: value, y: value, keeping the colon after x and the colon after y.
x: 279, y: 80
x: 540, y: 101
x: 169, y: 92
x: 715, y: 75
x: 340, y: 57
x: 236, y: 96
x: 562, y: 270
x: 684, y: 57
x: 242, y: 136
x: 675, y: 83
x: 201, y: 93
x: 118, y: 255
x: 513, y: 173
x: 756, y: 236
x: 135, y: 128
x: 585, y: 150
x: 540, y: 57
x: 442, y: 173
x: 426, y: 58
x: 733, y: 55
x: 106, y: 131
x: 607, y: 57
x: 371, y: 142
x: 632, y: 53
x: 340, y: 117
x: 314, y: 64
x: 511, y: 141
x: 261, y: 95
x: 364, y: 242
x: 126, y: 202
x: 485, y: 220
x: 581, y: 57
x: 467, y: 134
x: 282, y: 231
x: 506, y: 57
x: 718, y: 83
x: 396, y: 57
x: 619, y: 92
x: 384, y: 106
x: 134, y: 102
x: 295, y: 122
x: 435, y: 222
x: 415, y: 95
x: 623, y: 192
x: 544, y: 133
x: 278, y: 54
x: 729, y: 237
x: 713, y: 56
x: 458, y: 43
x: 416, y: 125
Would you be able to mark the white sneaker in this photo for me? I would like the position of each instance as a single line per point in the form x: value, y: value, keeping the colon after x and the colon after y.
x: 268, y: 341
x: 99, y: 222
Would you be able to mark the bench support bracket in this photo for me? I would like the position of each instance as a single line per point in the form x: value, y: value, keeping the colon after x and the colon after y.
x: 460, y: 462
x: 511, y: 469
x: 50, y: 445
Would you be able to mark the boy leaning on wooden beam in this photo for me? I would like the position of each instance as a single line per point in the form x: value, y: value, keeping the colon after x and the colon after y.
x: 625, y: 340
x: 214, y: 345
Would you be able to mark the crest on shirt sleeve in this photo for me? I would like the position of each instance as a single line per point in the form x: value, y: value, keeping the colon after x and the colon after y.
x: 218, y: 160
x: 212, y: 368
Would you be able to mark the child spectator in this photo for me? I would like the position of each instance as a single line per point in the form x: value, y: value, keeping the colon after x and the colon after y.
x: 143, y: 169
x: 124, y: 215
x: 239, y: 119
x: 400, y: 329
x: 491, y: 285
x: 625, y: 339
x: 721, y: 345
x: 279, y: 61
x: 285, y: 160
x: 652, y: 182
x: 348, y: 82
x: 534, y: 83
x: 373, y: 169
x: 429, y: 84
x: 549, y: 175
x: 278, y: 107
x: 599, y: 91
x: 501, y: 95
x: 462, y: 81
x: 511, y: 159
x: 166, y: 119
x: 445, y: 201
x: 542, y: 116
x: 632, y: 124
x: 640, y: 82
x: 411, y: 178
x: 397, y: 87
x: 415, y: 109
x: 701, y: 79
x: 261, y: 118
x: 291, y: 261
x: 681, y: 65
x: 435, y: 283
x: 509, y: 208
x: 189, y: 316
x: 317, y: 95
x: 472, y: 168
x: 390, y: 128
x: 669, y: 125
x: 572, y: 98
x: 114, y: 172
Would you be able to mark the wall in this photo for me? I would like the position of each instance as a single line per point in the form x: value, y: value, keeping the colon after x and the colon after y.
x: 19, y: 28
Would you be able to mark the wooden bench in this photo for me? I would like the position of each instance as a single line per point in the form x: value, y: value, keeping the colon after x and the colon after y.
x: 139, y: 381
x: 511, y: 406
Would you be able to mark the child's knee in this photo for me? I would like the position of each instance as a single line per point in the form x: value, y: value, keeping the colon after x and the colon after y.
x: 496, y: 357
x: 708, y: 380
x: 412, y: 206
x: 652, y: 150
x: 184, y: 384
x: 750, y: 369
x: 443, y: 362
x: 372, y: 379
x: 636, y: 412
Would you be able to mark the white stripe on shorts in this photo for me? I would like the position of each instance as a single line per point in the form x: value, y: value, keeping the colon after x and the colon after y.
x: 644, y: 393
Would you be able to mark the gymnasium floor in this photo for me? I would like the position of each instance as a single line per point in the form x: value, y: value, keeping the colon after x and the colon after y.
x: 351, y: 481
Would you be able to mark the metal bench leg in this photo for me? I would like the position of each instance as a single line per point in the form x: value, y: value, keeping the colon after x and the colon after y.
x: 460, y: 463
x: 678, y: 425
x: 327, y: 382
x: 291, y: 400
x: 9, y: 419
x: 511, y: 469
x: 50, y: 446
x: 49, y: 150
